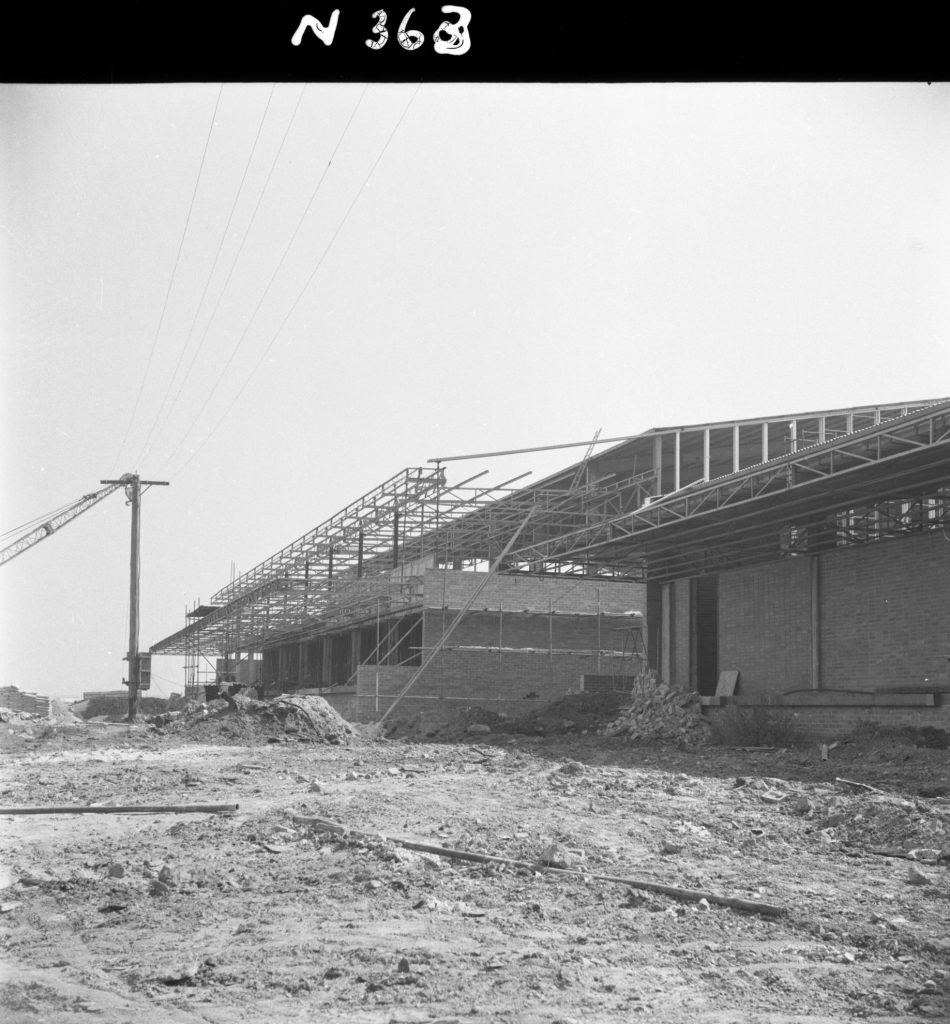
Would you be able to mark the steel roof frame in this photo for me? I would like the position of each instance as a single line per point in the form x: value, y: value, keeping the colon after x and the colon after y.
x: 343, y: 571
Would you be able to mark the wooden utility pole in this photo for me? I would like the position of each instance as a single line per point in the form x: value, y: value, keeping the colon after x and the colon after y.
x: 133, y: 490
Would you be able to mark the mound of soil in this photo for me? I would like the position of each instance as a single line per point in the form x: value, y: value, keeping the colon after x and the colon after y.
x: 573, y: 713
x: 242, y: 720
x: 452, y: 722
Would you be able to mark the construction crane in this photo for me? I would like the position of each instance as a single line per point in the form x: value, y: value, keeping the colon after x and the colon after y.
x: 139, y: 665
x: 67, y: 515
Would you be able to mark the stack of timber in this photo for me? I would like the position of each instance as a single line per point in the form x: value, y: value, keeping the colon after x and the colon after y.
x: 15, y: 699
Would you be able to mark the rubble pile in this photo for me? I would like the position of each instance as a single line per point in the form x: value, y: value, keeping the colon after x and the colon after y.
x: 657, y: 714
x: 308, y: 719
x: 869, y: 820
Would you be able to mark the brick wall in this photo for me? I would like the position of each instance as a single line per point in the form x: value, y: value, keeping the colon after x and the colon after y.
x: 884, y: 622
x: 822, y: 724
x: 344, y: 701
x: 511, y: 683
x: 518, y: 592
x: 765, y: 626
x: 886, y: 614
x: 681, y: 615
x: 534, y: 630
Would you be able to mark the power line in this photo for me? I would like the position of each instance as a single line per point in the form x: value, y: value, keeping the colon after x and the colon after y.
x: 237, y: 256
x: 171, y: 280
x: 307, y: 283
x: 214, y: 265
x: 270, y: 283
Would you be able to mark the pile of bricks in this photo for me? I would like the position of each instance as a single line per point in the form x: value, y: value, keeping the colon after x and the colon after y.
x: 657, y: 714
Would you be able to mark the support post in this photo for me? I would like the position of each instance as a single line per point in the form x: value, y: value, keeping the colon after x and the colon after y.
x: 133, y: 490
x: 815, y: 565
x: 134, y: 572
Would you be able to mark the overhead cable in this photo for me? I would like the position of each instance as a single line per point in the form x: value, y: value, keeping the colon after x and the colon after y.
x: 224, y: 234
x: 171, y: 279
x: 306, y: 284
x: 237, y: 256
x: 270, y: 283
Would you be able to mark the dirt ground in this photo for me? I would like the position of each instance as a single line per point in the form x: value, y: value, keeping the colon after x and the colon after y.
x: 253, y: 916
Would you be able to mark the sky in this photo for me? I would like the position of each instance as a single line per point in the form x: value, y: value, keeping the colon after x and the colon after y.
x: 277, y: 296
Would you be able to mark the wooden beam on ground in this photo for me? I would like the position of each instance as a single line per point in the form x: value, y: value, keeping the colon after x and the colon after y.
x: 124, y: 809
x: 689, y: 895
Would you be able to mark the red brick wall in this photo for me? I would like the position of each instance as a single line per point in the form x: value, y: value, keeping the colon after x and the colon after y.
x: 886, y: 614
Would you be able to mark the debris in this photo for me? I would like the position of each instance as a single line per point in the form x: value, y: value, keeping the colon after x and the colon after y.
x: 479, y: 728
x: 116, y: 870
x: 916, y: 877
x: 861, y: 785
x: 240, y: 719
x: 657, y: 713
x: 466, y: 910
x: 157, y: 888
x: 800, y: 805
x: 692, y: 895
x: 555, y: 855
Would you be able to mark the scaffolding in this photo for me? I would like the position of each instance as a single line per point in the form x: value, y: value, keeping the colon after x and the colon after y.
x: 200, y: 671
x: 369, y: 556
x: 599, y: 519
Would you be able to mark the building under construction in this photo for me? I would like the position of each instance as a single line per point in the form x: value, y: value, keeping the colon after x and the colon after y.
x: 809, y: 553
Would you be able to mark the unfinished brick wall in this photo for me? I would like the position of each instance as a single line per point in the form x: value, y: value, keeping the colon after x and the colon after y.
x: 532, y: 630
x: 886, y: 614
x: 511, y: 684
x: 533, y: 593
x: 546, y: 664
